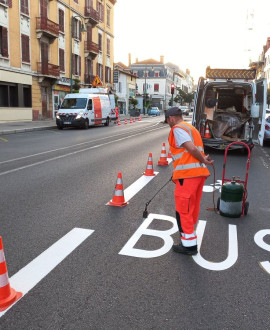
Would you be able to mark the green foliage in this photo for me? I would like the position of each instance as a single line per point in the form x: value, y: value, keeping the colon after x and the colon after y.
x: 134, y: 102
x: 116, y: 99
x: 183, y: 97
x: 76, y: 86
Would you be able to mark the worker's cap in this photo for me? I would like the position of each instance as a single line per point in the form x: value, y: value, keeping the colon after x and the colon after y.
x: 173, y: 111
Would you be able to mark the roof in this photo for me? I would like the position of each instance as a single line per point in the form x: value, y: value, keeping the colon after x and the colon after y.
x: 121, y: 65
x: 123, y: 68
x: 149, y: 61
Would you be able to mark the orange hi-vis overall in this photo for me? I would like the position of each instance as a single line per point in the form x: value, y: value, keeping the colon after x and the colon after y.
x: 189, y: 175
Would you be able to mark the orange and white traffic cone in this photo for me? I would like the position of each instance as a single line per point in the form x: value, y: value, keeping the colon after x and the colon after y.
x: 134, y: 120
x: 140, y: 118
x: 119, y: 122
x: 7, y: 295
x: 125, y: 121
x: 118, y: 196
x: 149, y: 171
x: 130, y: 120
x: 163, y: 156
x: 169, y: 155
x: 207, y: 134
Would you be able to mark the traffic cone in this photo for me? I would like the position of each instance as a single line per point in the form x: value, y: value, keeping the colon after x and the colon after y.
x: 7, y: 295
x: 149, y: 171
x: 125, y: 121
x: 169, y: 155
x: 118, y: 123
x: 207, y: 134
x: 118, y: 196
x: 163, y: 156
x: 130, y: 120
x: 140, y: 118
x: 134, y: 119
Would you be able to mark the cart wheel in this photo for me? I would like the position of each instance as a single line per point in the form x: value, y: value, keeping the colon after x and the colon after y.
x: 246, y: 208
x: 218, y: 203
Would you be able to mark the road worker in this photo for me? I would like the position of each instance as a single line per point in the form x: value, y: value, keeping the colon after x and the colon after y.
x: 189, y: 175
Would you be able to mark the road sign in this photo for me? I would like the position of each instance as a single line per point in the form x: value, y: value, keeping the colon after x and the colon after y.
x: 96, y: 82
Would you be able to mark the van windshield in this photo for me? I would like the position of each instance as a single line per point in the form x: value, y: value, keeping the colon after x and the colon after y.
x: 79, y: 103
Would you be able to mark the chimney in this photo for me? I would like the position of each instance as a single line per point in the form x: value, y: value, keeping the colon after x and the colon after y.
x: 162, y: 59
x: 129, y: 59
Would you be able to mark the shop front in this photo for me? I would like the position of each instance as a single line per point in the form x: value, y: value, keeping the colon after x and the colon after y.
x: 60, y: 90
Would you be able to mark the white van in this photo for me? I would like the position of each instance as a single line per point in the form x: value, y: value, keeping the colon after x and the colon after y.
x: 89, y: 107
x: 233, y: 105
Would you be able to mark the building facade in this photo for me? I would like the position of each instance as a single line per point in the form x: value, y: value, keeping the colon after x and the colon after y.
x: 41, y: 43
x: 124, y: 87
x: 154, y: 80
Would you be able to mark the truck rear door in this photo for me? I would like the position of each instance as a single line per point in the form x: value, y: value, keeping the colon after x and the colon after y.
x: 261, y: 96
x: 197, y: 103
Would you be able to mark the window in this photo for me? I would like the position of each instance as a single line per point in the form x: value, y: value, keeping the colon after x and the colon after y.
x: 100, y: 10
x: 107, y: 74
x: 100, y: 42
x: 76, y: 1
x: 108, y: 17
x: 24, y: 7
x: 156, y: 87
x: 61, y: 20
x: 156, y: 74
x: 76, y: 29
x: 7, y: 2
x: 108, y: 47
x: 120, y: 87
x: 76, y: 64
x: 100, y: 71
x: 145, y: 74
x: 62, y: 59
x: 3, y: 41
x: 25, y: 48
x: 15, y: 95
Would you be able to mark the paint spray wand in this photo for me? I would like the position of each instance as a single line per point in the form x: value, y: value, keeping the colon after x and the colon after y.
x: 145, y: 212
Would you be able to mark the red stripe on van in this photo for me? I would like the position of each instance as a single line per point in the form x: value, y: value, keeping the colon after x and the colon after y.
x: 97, y: 110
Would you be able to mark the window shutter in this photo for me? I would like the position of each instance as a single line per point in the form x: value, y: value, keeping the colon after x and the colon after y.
x: 80, y: 30
x: 91, y: 71
x: 80, y: 65
x: 73, y: 59
x: 102, y: 12
x: 10, y: 3
x: 25, y: 48
x: 108, y: 47
x: 62, y: 59
x: 43, y: 7
x: 4, y: 42
x: 61, y: 20
x: 101, y: 67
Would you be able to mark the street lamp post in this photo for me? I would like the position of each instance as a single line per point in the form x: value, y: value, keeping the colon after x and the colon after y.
x: 71, y: 59
x: 145, y: 89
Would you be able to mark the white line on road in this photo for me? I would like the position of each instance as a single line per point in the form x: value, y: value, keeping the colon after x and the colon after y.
x: 63, y: 148
x: 36, y: 270
x: 74, y: 153
x: 136, y: 186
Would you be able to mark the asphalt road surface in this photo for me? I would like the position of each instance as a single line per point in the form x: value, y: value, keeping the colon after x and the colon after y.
x: 82, y: 264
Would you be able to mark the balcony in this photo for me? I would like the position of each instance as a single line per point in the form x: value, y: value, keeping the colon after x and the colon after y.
x: 88, y: 79
x: 91, y: 49
x: 48, y: 70
x: 91, y: 15
x: 48, y: 28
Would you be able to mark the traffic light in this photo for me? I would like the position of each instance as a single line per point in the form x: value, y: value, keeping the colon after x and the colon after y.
x: 172, y: 88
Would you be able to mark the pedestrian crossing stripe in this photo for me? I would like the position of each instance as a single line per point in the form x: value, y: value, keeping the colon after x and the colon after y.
x: 96, y: 82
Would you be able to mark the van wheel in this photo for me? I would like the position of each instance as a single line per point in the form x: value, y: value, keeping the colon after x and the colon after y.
x: 86, y: 124
x: 107, y: 123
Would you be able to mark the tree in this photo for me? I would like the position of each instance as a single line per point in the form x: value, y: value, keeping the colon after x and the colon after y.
x: 134, y: 102
x: 183, y: 97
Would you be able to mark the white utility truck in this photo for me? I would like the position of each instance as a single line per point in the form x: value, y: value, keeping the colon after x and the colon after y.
x: 230, y: 106
x: 91, y: 106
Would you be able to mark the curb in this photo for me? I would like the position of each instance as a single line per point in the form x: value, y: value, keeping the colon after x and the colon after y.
x: 26, y: 130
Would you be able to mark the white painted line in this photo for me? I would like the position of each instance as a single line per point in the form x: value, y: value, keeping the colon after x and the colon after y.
x: 135, y: 187
x: 36, y: 270
x: 74, y: 153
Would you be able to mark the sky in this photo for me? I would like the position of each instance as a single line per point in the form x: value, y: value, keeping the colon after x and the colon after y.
x: 192, y: 34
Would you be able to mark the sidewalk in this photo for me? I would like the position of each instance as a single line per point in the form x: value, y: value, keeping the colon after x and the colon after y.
x: 37, y: 125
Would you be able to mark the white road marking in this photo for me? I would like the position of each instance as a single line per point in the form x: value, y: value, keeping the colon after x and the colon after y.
x: 74, y: 153
x: 36, y: 270
x: 136, y: 186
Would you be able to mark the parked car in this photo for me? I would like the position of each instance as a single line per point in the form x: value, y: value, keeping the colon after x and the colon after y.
x: 267, y: 113
x: 267, y: 128
x: 185, y: 110
x: 154, y: 111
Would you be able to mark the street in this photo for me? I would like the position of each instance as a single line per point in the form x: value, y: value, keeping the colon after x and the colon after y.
x: 82, y: 264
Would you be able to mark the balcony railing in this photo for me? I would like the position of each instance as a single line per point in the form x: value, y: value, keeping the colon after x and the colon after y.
x: 91, y: 14
x: 91, y: 47
x: 88, y: 78
x: 48, y: 69
x: 47, y: 26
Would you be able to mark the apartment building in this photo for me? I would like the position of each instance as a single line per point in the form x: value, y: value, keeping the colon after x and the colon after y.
x: 41, y: 43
